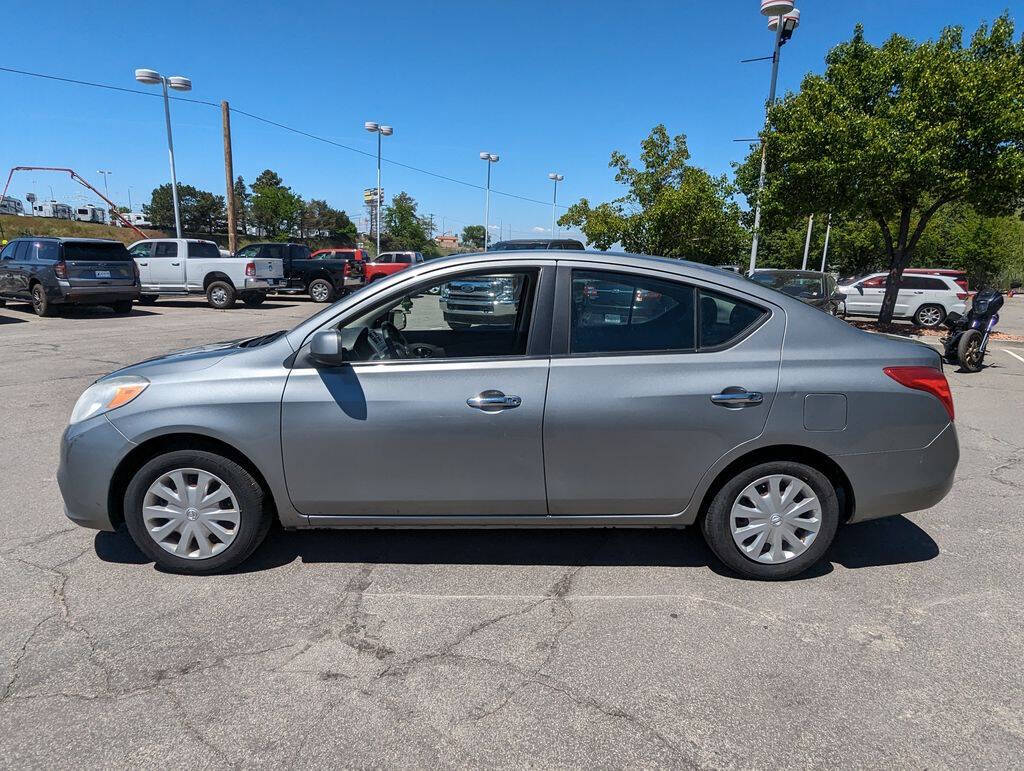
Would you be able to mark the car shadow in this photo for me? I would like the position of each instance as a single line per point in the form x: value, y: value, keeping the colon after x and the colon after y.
x: 200, y: 302
x: 11, y: 320
x: 892, y: 541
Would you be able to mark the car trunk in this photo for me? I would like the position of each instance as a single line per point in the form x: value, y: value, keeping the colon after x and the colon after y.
x: 98, y: 264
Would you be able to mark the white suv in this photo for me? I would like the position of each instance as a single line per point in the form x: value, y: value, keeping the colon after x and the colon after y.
x: 925, y: 299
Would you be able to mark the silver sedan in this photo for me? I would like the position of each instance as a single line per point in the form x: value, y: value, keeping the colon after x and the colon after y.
x: 522, y: 389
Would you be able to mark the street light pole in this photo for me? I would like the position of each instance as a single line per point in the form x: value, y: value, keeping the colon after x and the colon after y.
x: 556, y: 178
x: 828, y: 232
x: 380, y: 131
x: 785, y: 19
x: 490, y: 158
x: 807, y: 243
x: 105, y: 174
x: 178, y: 83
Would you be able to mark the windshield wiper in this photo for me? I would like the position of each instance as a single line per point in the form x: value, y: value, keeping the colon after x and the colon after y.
x: 255, y: 342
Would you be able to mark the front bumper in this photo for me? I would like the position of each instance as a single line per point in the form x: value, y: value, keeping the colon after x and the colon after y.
x: 888, y: 483
x: 467, y: 311
x: 90, y: 451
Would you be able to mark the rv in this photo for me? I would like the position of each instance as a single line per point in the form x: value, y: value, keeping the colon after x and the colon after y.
x: 59, y: 211
x: 89, y: 213
x: 11, y: 205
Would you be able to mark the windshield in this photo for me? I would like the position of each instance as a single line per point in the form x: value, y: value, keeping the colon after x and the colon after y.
x: 87, y: 251
x: 794, y: 286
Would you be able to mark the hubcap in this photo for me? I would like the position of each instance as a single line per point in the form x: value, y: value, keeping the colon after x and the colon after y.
x: 219, y: 295
x: 775, y: 519
x: 974, y: 352
x: 319, y: 292
x: 191, y: 513
x: 930, y: 317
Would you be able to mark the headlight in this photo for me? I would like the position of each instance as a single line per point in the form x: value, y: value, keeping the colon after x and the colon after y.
x: 504, y: 289
x: 107, y: 395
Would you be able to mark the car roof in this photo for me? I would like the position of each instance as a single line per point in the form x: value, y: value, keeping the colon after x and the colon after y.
x: 68, y: 239
x: 791, y: 272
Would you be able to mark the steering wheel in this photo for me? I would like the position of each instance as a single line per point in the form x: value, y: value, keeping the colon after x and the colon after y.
x: 397, y: 345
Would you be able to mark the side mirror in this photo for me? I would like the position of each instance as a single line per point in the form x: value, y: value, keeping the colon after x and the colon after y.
x: 398, y: 319
x: 326, y: 348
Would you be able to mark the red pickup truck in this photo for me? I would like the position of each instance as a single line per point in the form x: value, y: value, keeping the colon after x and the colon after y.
x: 391, y: 262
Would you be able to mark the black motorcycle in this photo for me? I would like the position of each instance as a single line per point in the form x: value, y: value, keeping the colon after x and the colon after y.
x: 968, y: 335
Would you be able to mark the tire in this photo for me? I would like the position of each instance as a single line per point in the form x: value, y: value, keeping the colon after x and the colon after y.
x: 320, y: 290
x: 254, y: 299
x: 246, y: 497
x: 969, y: 351
x: 148, y: 299
x: 122, y: 307
x: 929, y: 316
x: 718, y: 522
x: 221, y: 295
x: 40, y: 304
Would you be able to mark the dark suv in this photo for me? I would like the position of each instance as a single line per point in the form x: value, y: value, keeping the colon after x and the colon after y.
x: 50, y: 272
x: 547, y: 244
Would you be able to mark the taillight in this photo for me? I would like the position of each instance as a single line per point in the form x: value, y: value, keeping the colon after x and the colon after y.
x: 250, y: 270
x: 962, y: 295
x: 924, y: 379
x: 60, y: 270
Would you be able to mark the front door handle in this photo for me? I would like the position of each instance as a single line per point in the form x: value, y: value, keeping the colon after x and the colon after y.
x: 738, y: 398
x: 493, y: 401
x: 175, y: 264
x: 143, y: 264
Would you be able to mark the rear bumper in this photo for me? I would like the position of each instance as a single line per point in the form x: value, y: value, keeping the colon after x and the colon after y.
x: 889, y: 483
x: 89, y: 453
x: 265, y: 283
x: 93, y: 295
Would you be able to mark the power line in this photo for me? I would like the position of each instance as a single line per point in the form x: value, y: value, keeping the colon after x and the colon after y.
x: 282, y: 126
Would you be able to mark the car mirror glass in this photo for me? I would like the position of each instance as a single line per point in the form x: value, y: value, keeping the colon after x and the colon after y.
x: 398, y: 319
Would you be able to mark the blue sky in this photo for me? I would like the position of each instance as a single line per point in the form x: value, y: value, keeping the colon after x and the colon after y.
x: 550, y: 86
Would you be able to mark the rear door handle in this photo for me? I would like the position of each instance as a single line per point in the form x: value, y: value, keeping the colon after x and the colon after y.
x: 493, y: 401
x: 737, y: 398
x: 175, y: 264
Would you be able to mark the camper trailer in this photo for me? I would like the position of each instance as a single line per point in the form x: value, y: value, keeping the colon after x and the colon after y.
x: 11, y: 205
x: 53, y: 209
x: 89, y: 213
x: 138, y: 219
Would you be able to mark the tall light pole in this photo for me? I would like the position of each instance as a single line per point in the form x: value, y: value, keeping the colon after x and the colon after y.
x: 178, y: 83
x: 380, y: 131
x: 556, y: 178
x: 785, y: 18
x: 490, y: 158
x: 105, y: 175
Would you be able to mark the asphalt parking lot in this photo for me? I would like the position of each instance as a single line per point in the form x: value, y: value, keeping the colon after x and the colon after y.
x: 548, y: 649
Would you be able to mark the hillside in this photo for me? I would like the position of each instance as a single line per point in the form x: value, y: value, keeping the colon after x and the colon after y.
x: 14, y: 226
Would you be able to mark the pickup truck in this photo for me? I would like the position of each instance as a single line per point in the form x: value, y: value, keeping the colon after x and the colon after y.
x: 183, y: 266
x: 391, y: 262
x: 322, y: 277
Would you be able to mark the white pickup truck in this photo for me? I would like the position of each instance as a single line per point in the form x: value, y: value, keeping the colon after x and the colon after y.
x: 180, y: 266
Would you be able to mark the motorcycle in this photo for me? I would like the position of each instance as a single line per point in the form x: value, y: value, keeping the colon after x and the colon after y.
x: 968, y: 335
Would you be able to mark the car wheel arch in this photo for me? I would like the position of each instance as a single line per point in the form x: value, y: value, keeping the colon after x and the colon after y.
x: 158, y: 445
x: 216, y: 276
x: 786, y: 452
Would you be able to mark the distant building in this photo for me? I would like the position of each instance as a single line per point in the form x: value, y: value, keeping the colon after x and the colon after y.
x: 53, y: 209
x: 447, y: 241
x: 11, y: 205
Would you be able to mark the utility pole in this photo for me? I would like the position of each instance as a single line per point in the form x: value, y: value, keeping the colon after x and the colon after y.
x: 229, y: 174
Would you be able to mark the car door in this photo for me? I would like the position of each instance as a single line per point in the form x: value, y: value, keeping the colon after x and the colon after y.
x: 167, y: 266
x: 452, y: 429
x: 642, y: 395
x: 19, y: 270
x: 142, y: 254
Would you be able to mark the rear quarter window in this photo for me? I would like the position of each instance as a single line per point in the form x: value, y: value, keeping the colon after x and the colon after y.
x: 724, y: 319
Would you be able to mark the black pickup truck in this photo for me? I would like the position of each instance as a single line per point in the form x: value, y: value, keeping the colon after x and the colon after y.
x: 324, y: 280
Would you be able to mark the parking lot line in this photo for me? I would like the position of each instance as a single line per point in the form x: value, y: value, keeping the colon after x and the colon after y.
x: 1018, y: 358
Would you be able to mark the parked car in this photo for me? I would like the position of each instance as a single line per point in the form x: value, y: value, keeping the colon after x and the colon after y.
x: 810, y: 286
x: 54, y: 272
x: 355, y: 259
x: 927, y: 300
x: 322, y: 279
x: 183, y: 266
x: 732, y: 407
x: 388, y: 263
x: 959, y: 276
x: 547, y: 244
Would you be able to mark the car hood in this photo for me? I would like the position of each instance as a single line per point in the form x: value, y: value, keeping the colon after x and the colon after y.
x: 186, y: 360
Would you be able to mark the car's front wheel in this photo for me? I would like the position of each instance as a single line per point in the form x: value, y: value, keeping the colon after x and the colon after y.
x: 195, y: 512
x: 772, y: 521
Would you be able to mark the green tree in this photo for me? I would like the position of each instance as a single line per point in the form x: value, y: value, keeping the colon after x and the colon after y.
x: 473, y: 236
x: 402, y: 228
x: 671, y: 209
x: 201, y: 211
x: 894, y: 133
x: 323, y: 223
x: 275, y: 209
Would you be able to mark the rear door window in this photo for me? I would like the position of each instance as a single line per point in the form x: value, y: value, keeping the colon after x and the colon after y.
x: 46, y: 251
x: 166, y: 249
x: 273, y: 251
x: 300, y: 253
x: 203, y: 249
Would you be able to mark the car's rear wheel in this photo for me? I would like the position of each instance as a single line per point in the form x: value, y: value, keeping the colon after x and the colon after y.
x: 929, y: 316
x: 321, y: 290
x: 772, y: 521
x: 220, y: 295
x: 195, y: 512
x: 40, y: 303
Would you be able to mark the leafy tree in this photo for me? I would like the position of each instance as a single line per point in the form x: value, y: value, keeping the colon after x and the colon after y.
x: 324, y: 223
x: 671, y: 209
x: 402, y: 228
x: 473, y: 236
x: 201, y: 211
x: 897, y: 132
x: 275, y: 209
